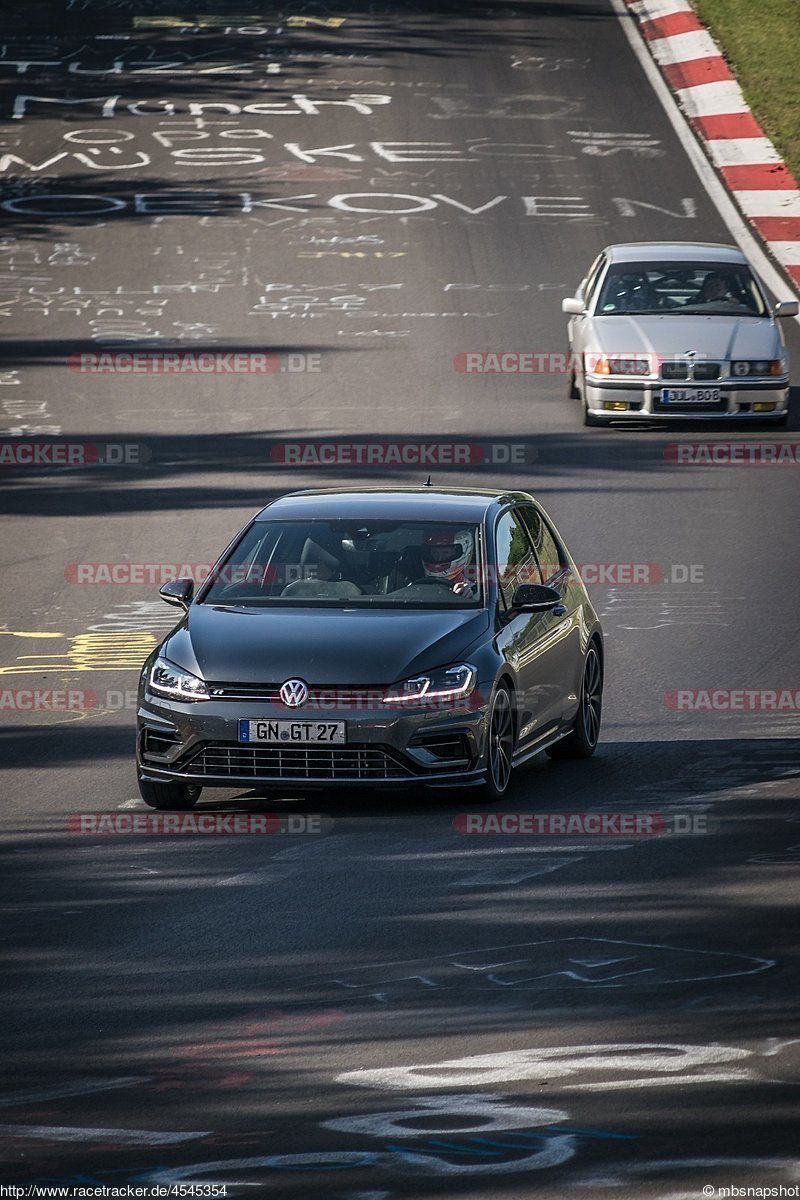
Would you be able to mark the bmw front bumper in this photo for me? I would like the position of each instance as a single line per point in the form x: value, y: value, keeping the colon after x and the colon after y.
x: 762, y: 400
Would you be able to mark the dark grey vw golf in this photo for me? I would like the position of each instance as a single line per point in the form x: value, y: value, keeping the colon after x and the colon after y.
x: 387, y: 636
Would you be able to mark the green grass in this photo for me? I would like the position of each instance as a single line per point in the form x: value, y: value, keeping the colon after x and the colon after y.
x: 761, y: 42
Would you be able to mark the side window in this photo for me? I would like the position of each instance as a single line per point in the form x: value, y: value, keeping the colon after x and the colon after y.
x: 548, y: 553
x: 595, y: 272
x: 515, y: 561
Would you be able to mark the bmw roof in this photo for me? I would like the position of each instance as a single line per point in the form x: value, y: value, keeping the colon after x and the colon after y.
x: 390, y: 503
x: 674, y: 252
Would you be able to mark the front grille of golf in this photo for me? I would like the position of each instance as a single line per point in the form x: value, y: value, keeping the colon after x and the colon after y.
x: 319, y: 695
x: 265, y: 693
x: 230, y: 760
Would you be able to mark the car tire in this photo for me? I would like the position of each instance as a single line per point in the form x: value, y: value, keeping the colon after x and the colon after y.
x: 581, y: 741
x: 176, y: 796
x: 574, y: 394
x: 499, y: 744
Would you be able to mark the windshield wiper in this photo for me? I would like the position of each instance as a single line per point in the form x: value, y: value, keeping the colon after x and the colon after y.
x: 702, y: 311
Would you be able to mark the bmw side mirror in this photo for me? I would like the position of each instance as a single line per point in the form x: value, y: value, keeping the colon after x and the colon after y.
x: 535, y: 597
x: 573, y: 306
x: 786, y: 308
x: 178, y: 592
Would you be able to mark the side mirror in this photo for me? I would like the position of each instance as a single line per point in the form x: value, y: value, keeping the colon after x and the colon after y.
x: 573, y: 306
x: 786, y: 308
x: 178, y: 592
x: 535, y: 597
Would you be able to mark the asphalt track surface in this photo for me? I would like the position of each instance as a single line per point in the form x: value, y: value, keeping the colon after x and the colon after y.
x: 287, y: 1015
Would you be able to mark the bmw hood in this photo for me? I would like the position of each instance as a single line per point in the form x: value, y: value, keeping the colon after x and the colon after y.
x: 322, y: 646
x: 714, y: 338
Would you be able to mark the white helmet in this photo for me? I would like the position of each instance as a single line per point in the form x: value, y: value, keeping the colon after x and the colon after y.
x: 446, y: 555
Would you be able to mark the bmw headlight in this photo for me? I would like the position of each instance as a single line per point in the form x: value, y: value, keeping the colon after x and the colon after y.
x: 604, y: 364
x: 761, y: 366
x: 168, y: 680
x: 445, y: 683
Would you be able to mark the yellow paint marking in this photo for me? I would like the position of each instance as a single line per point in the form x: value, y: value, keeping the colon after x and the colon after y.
x: 326, y: 22
x: 209, y: 21
x: 19, y: 633
x: 196, y: 22
x: 126, y: 650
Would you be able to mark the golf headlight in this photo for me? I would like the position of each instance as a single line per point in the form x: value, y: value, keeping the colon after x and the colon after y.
x: 445, y: 683
x: 168, y: 680
x: 761, y: 366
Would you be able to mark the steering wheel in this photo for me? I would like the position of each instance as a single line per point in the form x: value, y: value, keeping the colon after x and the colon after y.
x: 431, y: 579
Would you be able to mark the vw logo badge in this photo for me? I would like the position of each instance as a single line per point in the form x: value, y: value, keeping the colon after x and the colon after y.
x: 293, y: 693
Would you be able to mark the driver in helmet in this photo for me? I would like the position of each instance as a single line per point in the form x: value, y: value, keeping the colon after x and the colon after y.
x: 446, y: 555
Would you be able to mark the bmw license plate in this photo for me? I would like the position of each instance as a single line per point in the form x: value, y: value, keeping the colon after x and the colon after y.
x: 690, y: 396
x: 294, y: 733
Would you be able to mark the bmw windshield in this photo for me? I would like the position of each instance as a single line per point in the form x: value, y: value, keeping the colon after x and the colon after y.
x: 352, y: 563
x: 680, y: 289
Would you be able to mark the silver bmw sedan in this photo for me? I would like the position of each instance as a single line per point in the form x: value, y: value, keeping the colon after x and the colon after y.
x: 676, y: 329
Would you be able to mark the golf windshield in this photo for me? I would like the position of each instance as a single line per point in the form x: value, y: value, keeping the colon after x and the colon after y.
x: 351, y: 563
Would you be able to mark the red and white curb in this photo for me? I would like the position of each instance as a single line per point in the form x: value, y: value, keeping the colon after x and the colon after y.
x: 753, y: 171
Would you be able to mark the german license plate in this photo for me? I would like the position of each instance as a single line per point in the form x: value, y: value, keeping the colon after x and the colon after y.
x: 294, y: 733
x: 690, y: 396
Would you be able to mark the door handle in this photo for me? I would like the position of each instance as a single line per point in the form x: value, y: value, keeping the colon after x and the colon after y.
x: 559, y: 610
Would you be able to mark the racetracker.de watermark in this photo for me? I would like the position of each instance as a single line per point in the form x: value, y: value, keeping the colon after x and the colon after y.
x: 39, y: 700
x: 320, y: 700
x: 43, y: 699
x: 137, y: 574
x: 73, y: 454
x: 733, y: 454
x: 213, y: 824
x: 555, y: 362
x: 733, y: 700
x: 150, y: 574
x: 192, y: 362
x: 588, y: 824
x: 433, y: 453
